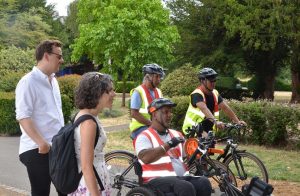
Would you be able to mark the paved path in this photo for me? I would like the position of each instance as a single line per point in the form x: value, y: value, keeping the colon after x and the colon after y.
x: 13, y: 176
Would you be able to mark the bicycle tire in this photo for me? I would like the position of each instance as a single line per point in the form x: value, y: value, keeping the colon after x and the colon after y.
x: 253, y: 166
x: 140, y: 191
x: 214, y: 177
x: 117, y: 162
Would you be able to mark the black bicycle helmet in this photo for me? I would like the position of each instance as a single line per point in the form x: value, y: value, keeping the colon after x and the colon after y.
x: 207, y: 73
x: 153, y: 68
x: 156, y: 104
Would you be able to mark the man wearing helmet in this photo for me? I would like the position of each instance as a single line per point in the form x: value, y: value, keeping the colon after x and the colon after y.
x: 142, y: 96
x: 205, y: 102
x: 160, y: 152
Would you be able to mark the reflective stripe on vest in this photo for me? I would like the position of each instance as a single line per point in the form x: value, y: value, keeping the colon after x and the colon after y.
x: 146, y: 100
x: 194, y: 115
x: 163, y: 166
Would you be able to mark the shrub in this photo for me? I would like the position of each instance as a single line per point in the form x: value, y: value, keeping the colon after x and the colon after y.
x: 8, y: 122
x: 9, y: 81
x: 67, y: 108
x: 179, y: 111
x: 129, y: 85
x: 180, y: 82
x: 68, y: 84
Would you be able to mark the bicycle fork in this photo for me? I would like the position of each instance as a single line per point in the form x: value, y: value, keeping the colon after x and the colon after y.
x: 239, y: 166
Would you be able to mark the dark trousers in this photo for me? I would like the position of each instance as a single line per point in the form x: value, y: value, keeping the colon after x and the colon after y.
x: 38, y: 172
x: 182, y: 185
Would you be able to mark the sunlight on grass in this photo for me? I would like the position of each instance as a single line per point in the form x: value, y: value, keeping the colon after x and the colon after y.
x: 118, y: 140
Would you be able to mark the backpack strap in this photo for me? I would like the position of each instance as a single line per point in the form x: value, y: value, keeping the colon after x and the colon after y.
x: 76, y: 123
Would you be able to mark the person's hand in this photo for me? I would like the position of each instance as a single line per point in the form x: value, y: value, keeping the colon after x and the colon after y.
x: 44, y: 148
x: 219, y: 124
x: 241, y: 122
x: 175, y: 141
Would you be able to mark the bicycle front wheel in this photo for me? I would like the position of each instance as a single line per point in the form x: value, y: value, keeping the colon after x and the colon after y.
x: 245, y: 166
x: 121, y: 170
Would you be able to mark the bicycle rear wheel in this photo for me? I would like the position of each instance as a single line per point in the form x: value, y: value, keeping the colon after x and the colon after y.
x: 121, y: 170
x: 248, y: 166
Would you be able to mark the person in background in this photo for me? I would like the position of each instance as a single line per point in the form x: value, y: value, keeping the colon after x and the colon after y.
x: 205, y: 102
x: 142, y: 96
x: 94, y: 93
x: 39, y: 112
x: 160, y: 153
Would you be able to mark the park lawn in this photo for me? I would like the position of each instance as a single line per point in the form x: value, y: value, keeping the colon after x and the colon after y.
x: 281, y: 164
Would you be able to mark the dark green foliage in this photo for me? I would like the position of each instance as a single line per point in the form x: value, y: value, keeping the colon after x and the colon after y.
x: 9, y: 81
x: 129, y: 86
x: 67, y: 107
x: 8, y: 122
x: 181, y: 81
x: 179, y: 111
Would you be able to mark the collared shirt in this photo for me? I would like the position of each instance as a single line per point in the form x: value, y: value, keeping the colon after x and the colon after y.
x: 40, y: 100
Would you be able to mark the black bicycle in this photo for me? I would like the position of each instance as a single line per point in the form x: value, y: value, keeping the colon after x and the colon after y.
x: 223, y: 175
x: 243, y: 164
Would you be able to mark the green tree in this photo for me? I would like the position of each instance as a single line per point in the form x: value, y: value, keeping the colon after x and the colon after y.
x: 122, y: 35
x: 261, y: 28
x: 13, y: 59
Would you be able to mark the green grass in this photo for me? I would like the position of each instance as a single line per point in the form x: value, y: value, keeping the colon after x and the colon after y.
x: 116, y: 109
x: 281, y: 164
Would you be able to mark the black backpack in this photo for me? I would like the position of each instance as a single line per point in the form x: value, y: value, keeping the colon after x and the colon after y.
x: 63, y: 167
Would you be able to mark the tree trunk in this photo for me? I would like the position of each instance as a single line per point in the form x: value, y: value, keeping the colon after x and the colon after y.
x: 123, y: 92
x: 295, y: 87
x: 269, y: 82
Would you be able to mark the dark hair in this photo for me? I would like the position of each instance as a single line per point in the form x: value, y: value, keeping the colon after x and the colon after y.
x: 45, y: 46
x: 91, y: 87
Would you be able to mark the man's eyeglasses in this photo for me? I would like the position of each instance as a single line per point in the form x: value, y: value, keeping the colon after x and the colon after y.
x: 59, y: 56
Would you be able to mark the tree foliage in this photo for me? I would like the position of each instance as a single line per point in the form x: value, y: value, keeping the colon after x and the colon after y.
x: 15, y: 59
x: 123, y: 35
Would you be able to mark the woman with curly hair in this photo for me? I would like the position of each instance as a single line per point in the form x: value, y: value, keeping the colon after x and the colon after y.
x: 94, y: 92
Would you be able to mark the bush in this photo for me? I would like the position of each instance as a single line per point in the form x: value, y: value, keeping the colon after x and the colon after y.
x: 129, y: 85
x: 67, y: 108
x: 8, y: 122
x: 268, y: 123
x: 9, y: 81
x: 180, y: 82
x: 67, y: 85
x: 179, y: 111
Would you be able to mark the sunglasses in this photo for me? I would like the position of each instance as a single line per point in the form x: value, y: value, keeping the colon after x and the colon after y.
x: 212, y: 80
x: 103, y: 78
x: 59, y: 56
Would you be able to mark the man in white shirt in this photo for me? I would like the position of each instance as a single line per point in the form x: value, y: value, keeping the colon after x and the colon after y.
x: 39, y: 112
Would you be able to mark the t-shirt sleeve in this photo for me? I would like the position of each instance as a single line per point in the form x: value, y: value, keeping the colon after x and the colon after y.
x: 142, y: 142
x: 196, y: 98
x: 220, y: 99
x: 135, y: 101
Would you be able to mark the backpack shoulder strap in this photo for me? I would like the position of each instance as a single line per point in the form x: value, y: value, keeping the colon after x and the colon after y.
x: 84, y: 118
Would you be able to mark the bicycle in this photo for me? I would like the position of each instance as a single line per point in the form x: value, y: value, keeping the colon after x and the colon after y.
x: 243, y: 164
x: 225, y: 178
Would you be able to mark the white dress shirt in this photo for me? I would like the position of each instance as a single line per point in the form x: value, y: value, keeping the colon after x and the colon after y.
x: 40, y: 100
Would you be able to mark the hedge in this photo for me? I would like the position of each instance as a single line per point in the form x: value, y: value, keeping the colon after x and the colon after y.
x: 8, y: 122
